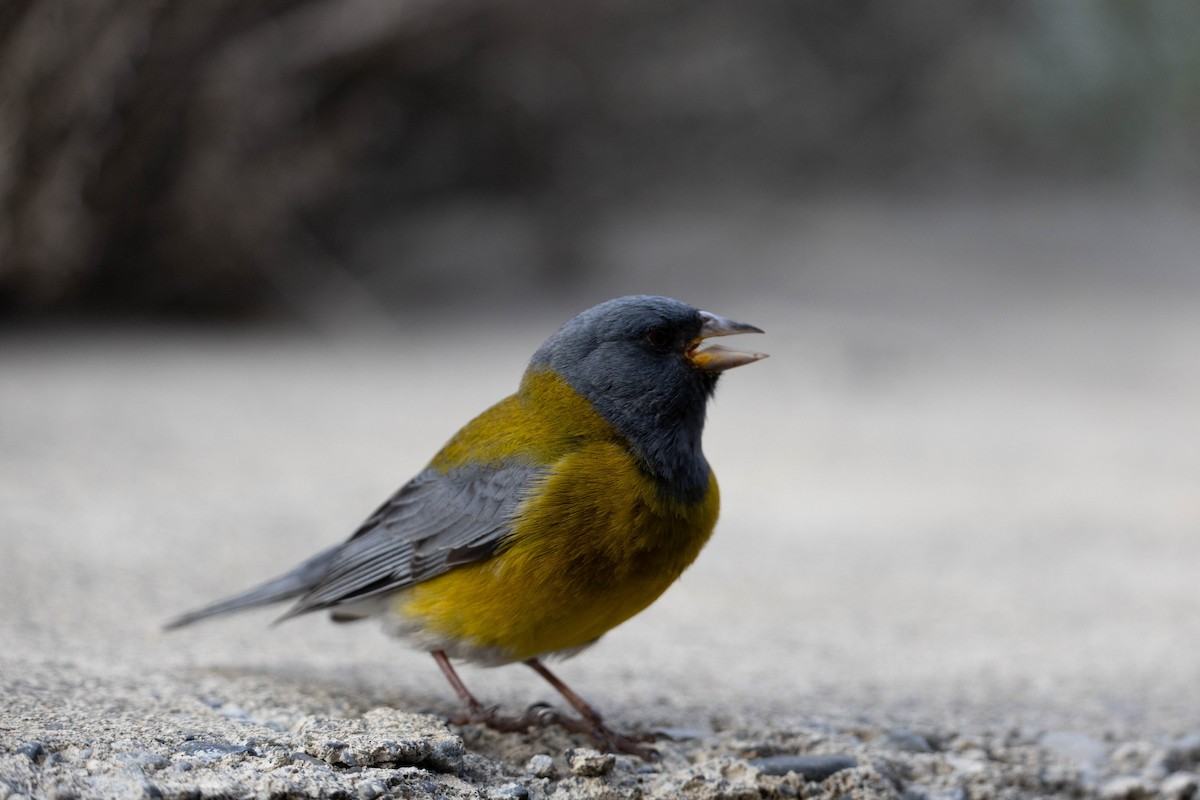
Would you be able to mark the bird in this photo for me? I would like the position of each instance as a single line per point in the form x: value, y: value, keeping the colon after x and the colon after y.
x: 552, y: 517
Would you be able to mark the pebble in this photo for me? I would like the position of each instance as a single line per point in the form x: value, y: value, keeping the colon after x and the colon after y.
x: 541, y: 766
x: 34, y: 751
x: 1180, y: 786
x: 813, y: 768
x: 1183, y: 753
x: 1132, y: 756
x: 233, y: 711
x: 144, y: 759
x: 509, y: 791
x: 588, y: 763
x: 906, y: 742
x: 296, y: 755
x: 919, y: 792
x: 1077, y: 747
x: 1191, y: 743
x: 210, y: 751
x: 1126, y: 787
x: 371, y: 789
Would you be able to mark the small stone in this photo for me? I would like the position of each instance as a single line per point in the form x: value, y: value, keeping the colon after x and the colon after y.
x: 34, y: 751
x: 588, y: 763
x: 145, y: 759
x: 919, y: 792
x: 1190, y: 744
x: 965, y: 742
x: 234, y: 712
x: 296, y: 755
x: 1126, y: 787
x: 509, y: 791
x: 813, y: 768
x: 211, y: 751
x: 1180, y: 786
x: 1183, y: 754
x: 1132, y: 756
x: 541, y: 766
x: 860, y: 782
x: 971, y: 765
x: 371, y: 789
x: 1074, y: 746
x: 906, y: 742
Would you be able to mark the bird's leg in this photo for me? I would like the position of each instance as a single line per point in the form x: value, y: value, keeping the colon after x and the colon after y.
x: 473, y: 711
x: 592, y: 723
x: 471, y: 707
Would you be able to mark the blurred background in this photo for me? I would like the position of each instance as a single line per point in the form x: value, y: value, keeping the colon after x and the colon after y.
x: 259, y: 258
x: 317, y: 158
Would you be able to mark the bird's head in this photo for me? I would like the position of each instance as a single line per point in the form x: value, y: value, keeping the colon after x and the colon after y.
x: 643, y: 364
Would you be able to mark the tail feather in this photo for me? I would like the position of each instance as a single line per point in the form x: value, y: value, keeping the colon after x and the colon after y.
x: 294, y: 584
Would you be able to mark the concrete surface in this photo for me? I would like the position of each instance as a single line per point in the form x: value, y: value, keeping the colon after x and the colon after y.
x: 960, y: 538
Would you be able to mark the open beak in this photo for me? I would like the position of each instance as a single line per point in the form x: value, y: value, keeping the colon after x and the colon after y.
x: 714, y: 357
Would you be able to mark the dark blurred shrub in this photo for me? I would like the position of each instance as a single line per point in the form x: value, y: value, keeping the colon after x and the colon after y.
x: 230, y: 156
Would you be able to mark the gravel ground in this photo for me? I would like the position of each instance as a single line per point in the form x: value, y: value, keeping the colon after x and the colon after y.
x: 958, y: 554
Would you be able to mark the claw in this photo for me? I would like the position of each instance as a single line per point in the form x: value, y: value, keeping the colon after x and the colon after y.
x: 543, y: 715
x: 612, y: 741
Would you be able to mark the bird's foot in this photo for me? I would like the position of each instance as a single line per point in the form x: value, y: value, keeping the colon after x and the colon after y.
x: 601, y: 735
x: 616, y: 742
x: 542, y: 716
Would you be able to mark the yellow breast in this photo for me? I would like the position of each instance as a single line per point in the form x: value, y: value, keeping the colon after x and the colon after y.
x: 593, y: 544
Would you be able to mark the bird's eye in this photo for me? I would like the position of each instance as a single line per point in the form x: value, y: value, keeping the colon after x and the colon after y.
x: 658, y: 338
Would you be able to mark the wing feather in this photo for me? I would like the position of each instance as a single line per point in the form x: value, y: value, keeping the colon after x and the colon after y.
x: 437, y: 521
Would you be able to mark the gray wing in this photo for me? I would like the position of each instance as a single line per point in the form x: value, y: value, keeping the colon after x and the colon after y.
x: 435, y: 522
